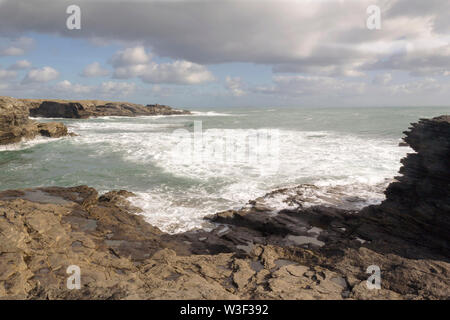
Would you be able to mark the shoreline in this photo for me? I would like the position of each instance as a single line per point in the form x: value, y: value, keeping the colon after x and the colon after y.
x: 315, y: 252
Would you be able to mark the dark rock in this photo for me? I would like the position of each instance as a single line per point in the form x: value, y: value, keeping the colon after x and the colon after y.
x: 94, y: 108
x: 53, y: 109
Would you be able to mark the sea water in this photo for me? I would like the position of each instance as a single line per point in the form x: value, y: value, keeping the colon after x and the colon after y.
x: 185, y: 167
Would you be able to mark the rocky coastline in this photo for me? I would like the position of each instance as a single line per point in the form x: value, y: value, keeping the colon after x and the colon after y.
x: 84, y: 109
x: 15, y: 124
x: 317, y: 252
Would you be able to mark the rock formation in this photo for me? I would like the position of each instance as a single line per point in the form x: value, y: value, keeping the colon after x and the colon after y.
x: 422, y: 193
x: 15, y: 124
x: 94, y: 108
x: 314, y: 252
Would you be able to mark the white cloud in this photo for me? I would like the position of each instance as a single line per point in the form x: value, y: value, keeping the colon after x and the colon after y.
x: 177, y: 72
x: 20, y: 65
x: 235, y: 86
x: 130, y: 56
x: 129, y: 71
x: 94, y: 70
x: 426, y: 85
x: 67, y: 87
x: 44, y: 74
x: 12, y: 51
x: 135, y: 62
x: 117, y: 88
x: 106, y: 89
x: 310, y: 85
x: 7, y: 74
x: 159, y: 91
x: 382, y: 79
x: 327, y: 38
x: 17, y: 47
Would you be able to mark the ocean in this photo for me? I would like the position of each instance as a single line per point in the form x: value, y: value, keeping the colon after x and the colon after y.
x: 182, y: 168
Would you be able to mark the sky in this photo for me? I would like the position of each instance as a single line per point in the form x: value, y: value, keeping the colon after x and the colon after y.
x: 223, y: 53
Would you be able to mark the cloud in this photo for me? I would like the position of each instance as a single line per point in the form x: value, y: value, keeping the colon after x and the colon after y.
x: 67, y: 87
x: 17, y: 47
x: 310, y: 85
x: 177, y: 72
x: 12, y: 51
x: 314, y: 48
x: 130, y: 57
x: 427, y: 85
x: 136, y: 62
x: 159, y: 91
x: 117, y: 88
x: 235, y: 86
x: 327, y: 38
x: 20, y: 65
x: 94, y: 70
x: 7, y: 74
x: 44, y: 74
x: 106, y: 89
x: 382, y: 79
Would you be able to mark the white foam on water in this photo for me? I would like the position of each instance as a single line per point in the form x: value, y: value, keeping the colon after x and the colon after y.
x: 213, y: 114
x: 339, y: 165
x: 27, y: 143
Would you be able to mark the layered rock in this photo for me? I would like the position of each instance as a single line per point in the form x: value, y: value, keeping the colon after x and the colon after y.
x: 15, y: 124
x: 53, y: 109
x: 95, y: 108
x: 315, y: 252
x: 46, y: 230
x: 422, y: 193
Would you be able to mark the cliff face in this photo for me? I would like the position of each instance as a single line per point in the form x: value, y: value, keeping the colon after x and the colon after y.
x: 253, y: 253
x: 94, y: 108
x: 52, y: 109
x: 15, y: 124
x: 420, y: 200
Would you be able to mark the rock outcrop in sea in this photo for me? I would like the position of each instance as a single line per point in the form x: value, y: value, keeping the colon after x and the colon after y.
x: 95, y: 108
x: 318, y: 252
x: 15, y: 124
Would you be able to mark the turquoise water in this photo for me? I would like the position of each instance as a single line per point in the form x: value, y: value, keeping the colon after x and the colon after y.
x: 237, y: 154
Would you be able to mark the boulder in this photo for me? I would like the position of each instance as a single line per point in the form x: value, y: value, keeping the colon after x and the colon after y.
x: 52, y: 129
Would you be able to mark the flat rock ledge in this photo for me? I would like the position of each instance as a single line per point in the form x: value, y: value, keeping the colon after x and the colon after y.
x: 16, y: 126
x: 317, y: 252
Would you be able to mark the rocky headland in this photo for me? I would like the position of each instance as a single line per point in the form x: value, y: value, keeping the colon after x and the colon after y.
x: 95, y: 108
x: 316, y: 252
x: 15, y: 124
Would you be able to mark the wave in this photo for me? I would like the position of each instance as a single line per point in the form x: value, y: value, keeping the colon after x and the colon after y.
x: 178, y: 179
x: 345, y: 166
x: 213, y: 114
x: 27, y: 143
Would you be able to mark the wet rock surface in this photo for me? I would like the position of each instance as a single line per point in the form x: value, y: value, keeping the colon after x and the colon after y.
x: 301, y: 252
x: 16, y: 126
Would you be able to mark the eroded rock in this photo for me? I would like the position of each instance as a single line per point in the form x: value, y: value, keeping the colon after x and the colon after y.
x: 16, y: 126
x: 314, y: 252
x: 94, y: 108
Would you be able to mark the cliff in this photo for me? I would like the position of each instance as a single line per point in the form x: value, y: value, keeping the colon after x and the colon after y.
x: 253, y: 253
x: 94, y: 108
x: 15, y: 124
